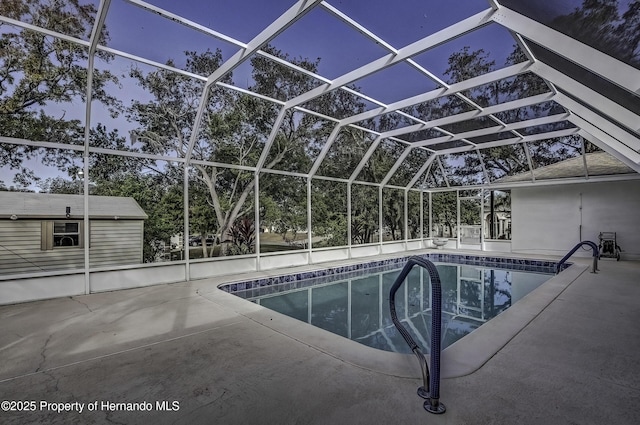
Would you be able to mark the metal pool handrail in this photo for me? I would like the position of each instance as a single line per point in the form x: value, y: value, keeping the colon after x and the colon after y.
x: 431, y: 384
x: 575, y: 248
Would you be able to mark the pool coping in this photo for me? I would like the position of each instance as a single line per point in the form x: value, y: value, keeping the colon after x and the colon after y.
x: 462, y: 358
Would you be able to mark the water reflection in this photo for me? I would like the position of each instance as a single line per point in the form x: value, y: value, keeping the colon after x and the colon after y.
x: 358, y: 308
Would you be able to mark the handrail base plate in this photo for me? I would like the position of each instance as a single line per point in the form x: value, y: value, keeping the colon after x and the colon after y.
x: 422, y: 392
x: 436, y: 407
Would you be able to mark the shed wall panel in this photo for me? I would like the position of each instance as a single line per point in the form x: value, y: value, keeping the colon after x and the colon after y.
x: 113, y: 242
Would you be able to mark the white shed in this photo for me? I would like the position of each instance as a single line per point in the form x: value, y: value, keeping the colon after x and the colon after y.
x: 44, y: 232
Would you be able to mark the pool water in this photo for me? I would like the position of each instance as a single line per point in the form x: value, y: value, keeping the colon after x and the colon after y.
x: 358, y: 307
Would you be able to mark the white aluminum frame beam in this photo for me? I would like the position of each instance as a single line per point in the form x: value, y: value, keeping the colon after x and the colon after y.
x: 599, y: 138
x: 456, y: 30
x: 288, y: 18
x: 537, y: 183
x: 421, y: 171
x: 396, y: 165
x: 186, y: 22
x: 589, y: 96
x: 514, y: 141
x: 495, y: 129
x: 364, y: 159
x: 600, y: 63
x: 464, y: 116
x: 410, y: 62
x: 487, y: 78
x: 617, y: 138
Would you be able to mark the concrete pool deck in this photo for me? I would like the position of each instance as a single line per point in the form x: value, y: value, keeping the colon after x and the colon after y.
x: 567, y: 353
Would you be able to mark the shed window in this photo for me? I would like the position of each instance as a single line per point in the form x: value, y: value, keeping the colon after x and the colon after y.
x: 60, y: 234
x: 66, y: 234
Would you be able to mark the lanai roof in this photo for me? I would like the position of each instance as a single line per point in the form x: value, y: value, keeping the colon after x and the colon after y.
x: 594, y: 92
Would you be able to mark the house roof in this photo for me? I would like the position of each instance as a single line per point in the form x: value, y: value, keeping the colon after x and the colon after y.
x: 597, y: 164
x: 47, y: 205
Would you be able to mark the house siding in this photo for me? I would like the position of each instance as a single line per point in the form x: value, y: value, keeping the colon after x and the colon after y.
x: 115, y: 242
x: 112, y: 243
x: 20, y: 250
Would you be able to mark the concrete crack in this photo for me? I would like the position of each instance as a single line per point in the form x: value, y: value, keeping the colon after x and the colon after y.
x: 203, y: 406
x: 84, y: 304
x: 42, y: 353
x: 56, y: 380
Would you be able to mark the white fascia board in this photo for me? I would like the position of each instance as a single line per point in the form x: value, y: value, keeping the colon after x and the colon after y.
x: 587, y: 95
x: 440, y: 37
x: 507, y: 106
x: 602, y: 64
x: 487, y: 78
x: 612, y: 130
x: 606, y: 146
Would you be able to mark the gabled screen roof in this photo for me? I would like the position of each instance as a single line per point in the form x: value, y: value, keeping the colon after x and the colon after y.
x: 426, y: 94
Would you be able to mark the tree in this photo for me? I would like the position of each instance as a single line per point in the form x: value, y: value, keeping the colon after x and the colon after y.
x: 393, y: 212
x: 364, y: 214
x: 234, y: 129
x: 329, y: 212
x: 599, y: 24
x: 444, y: 213
x: 37, y: 70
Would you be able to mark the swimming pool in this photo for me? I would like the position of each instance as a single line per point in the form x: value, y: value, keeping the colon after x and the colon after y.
x: 352, y: 301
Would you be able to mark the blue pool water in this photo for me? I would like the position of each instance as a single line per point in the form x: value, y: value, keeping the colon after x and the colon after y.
x: 355, y: 303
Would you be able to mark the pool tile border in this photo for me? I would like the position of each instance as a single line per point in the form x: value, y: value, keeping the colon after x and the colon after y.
x: 267, y: 285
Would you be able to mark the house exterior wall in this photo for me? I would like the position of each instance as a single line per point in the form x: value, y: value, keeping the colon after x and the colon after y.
x: 553, y: 219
